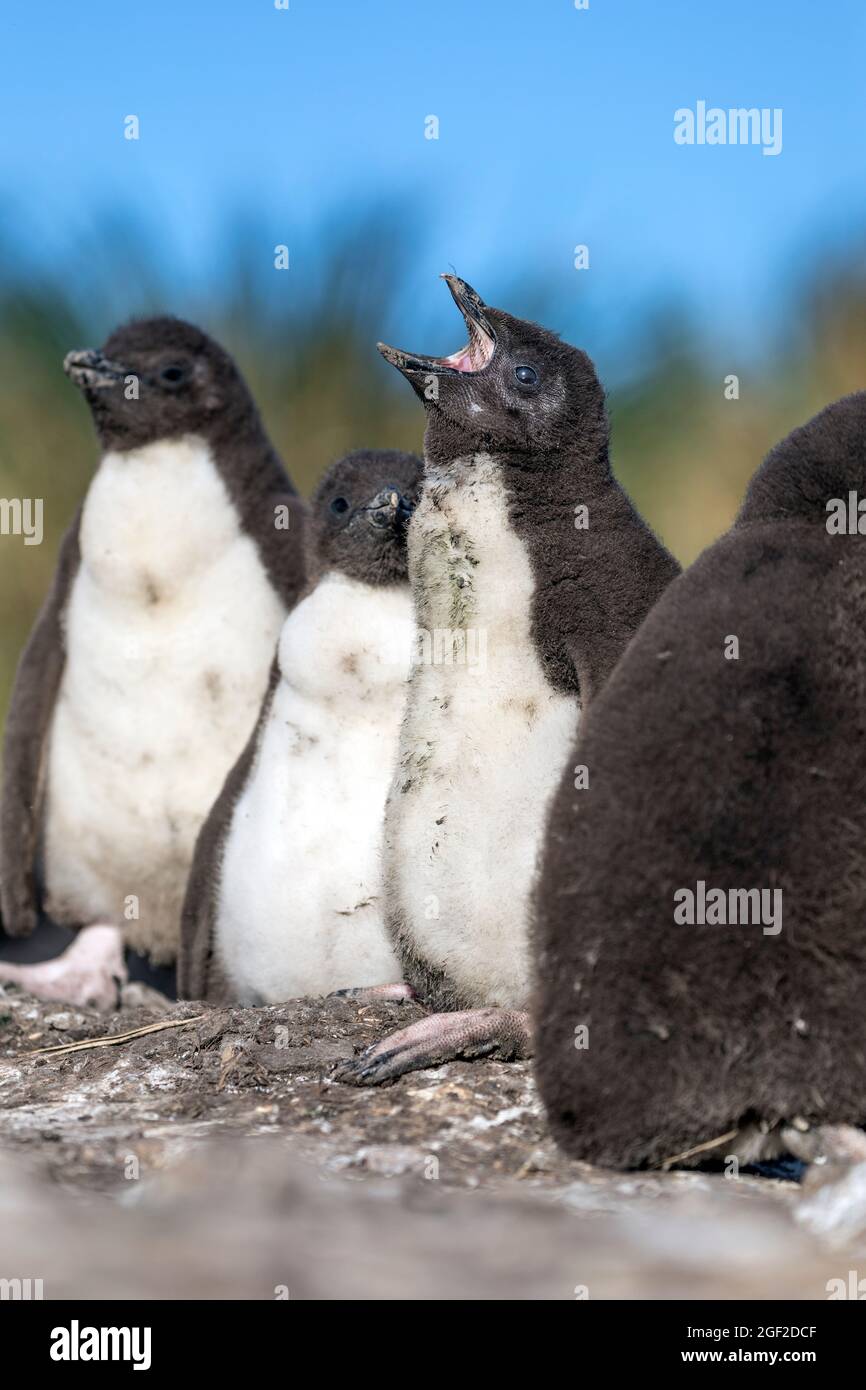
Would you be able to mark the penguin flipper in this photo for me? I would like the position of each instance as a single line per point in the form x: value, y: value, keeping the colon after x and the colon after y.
x: 31, y: 710
x: 502, y: 1034
x: 198, y: 972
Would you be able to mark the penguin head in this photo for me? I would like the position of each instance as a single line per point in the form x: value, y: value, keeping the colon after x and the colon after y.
x: 514, y: 388
x: 359, y: 515
x: 159, y: 378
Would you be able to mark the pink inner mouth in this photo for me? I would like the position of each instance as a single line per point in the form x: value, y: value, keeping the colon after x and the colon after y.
x: 475, y: 355
x: 461, y: 360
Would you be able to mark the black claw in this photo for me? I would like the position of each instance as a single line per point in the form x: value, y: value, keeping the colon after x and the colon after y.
x: 361, y: 1069
x: 352, y: 1067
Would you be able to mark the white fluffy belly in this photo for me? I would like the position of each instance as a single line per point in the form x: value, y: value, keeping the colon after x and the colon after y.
x: 300, y: 897
x: 170, y: 631
x: 483, y: 747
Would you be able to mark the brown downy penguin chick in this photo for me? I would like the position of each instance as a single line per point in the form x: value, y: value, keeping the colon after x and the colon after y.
x: 285, y: 897
x: 531, y: 569
x: 701, y: 953
x: 145, y: 671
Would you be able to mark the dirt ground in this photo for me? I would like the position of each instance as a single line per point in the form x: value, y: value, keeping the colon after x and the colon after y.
x: 214, y: 1158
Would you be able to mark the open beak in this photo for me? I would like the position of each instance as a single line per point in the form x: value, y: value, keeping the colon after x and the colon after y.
x: 470, y: 359
x: 89, y: 369
x: 389, y: 508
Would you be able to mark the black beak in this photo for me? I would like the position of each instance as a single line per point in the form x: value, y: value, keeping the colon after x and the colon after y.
x: 469, y: 360
x: 389, y: 508
x: 91, y: 370
x: 470, y: 304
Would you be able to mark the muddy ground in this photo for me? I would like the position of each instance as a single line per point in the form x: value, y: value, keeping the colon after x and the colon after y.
x: 215, y: 1159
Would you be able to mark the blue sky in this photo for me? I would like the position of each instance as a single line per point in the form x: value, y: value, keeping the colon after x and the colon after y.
x: 556, y: 128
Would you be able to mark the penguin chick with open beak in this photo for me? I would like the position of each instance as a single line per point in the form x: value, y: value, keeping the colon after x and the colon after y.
x: 531, y: 570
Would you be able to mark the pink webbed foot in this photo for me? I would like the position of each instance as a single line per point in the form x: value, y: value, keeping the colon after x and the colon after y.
x: 499, y: 1033
x: 89, y: 973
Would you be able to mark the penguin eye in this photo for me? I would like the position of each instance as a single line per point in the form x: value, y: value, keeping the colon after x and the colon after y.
x: 339, y: 505
x: 527, y: 376
x: 173, y: 375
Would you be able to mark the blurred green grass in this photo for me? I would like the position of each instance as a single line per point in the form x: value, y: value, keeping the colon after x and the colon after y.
x: 683, y: 451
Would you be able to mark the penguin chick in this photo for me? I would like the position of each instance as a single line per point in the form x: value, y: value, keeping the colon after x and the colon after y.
x: 147, y: 664
x: 285, y: 895
x: 700, y: 948
x: 531, y: 569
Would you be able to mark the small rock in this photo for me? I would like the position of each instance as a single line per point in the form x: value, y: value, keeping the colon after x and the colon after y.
x: 64, y: 1021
